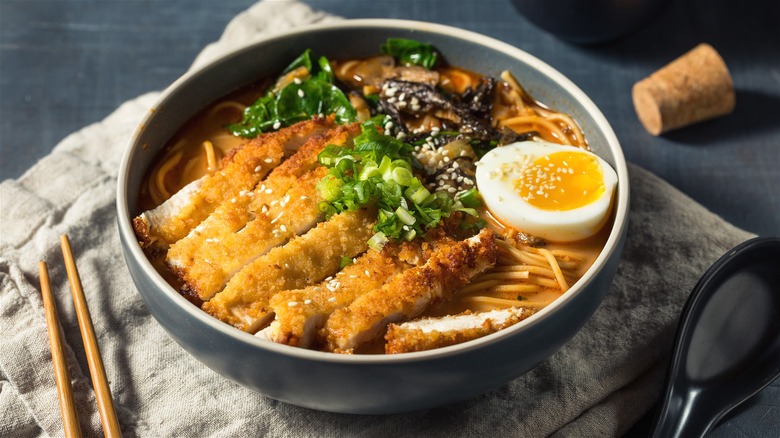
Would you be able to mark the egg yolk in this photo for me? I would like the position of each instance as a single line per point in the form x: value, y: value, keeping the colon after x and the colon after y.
x: 561, y: 181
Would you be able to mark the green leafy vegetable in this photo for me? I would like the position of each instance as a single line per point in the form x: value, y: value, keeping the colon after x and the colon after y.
x: 297, y: 101
x: 345, y: 261
x: 378, y: 171
x: 411, y: 52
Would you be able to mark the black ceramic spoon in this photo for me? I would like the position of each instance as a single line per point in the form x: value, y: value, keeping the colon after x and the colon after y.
x: 728, y: 340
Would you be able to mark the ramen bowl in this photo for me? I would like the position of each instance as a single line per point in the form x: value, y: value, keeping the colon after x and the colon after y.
x: 366, y: 383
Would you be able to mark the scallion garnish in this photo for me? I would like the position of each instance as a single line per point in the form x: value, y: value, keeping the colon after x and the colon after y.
x: 378, y: 171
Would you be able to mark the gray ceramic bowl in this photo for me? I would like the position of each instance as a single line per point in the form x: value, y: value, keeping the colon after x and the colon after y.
x: 366, y: 383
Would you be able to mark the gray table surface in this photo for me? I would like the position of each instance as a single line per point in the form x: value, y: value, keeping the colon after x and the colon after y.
x: 67, y: 63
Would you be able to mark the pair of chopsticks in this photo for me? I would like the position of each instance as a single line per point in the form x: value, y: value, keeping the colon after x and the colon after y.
x: 99, y: 381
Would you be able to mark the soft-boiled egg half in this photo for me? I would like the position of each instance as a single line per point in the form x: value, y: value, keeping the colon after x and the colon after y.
x: 559, y: 193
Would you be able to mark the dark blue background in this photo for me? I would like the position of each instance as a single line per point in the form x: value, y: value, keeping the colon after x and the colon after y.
x: 68, y: 63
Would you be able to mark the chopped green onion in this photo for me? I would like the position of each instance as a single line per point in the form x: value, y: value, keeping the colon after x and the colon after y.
x: 370, y: 169
x: 417, y: 195
x: 378, y: 171
x: 405, y: 216
x: 469, y: 198
x: 377, y: 241
x: 330, y: 187
x: 402, y: 176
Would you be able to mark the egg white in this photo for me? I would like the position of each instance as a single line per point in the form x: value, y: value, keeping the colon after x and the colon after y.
x: 500, y: 167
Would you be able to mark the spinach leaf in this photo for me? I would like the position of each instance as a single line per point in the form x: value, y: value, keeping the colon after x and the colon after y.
x: 411, y: 52
x: 304, y: 60
x: 298, y: 101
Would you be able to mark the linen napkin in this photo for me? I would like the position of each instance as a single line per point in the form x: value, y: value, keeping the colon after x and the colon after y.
x: 598, y: 384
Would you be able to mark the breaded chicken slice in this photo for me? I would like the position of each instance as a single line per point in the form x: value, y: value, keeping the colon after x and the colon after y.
x: 206, y: 259
x: 241, y: 170
x: 410, y: 293
x: 284, y: 205
x: 300, y: 313
x: 304, y: 260
x: 429, y: 333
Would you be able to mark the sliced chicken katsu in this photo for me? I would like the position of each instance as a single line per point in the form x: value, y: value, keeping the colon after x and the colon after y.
x: 304, y: 260
x: 249, y: 225
x: 206, y: 259
x: 410, y: 293
x: 241, y: 170
x: 430, y: 333
x: 300, y: 313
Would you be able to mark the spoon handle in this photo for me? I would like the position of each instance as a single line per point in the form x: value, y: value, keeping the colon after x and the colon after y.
x: 674, y: 419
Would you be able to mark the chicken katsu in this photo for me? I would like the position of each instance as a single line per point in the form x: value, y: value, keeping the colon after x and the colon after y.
x: 241, y: 170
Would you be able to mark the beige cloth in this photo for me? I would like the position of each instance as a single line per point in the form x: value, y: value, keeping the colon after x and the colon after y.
x: 599, y: 384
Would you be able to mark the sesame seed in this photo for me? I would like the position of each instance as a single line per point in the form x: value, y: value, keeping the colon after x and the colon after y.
x: 277, y: 124
x: 292, y: 304
x: 301, y: 93
x: 306, y: 301
x: 269, y: 160
x: 332, y: 299
x: 283, y: 228
x: 297, y: 81
x: 268, y: 191
x: 258, y: 169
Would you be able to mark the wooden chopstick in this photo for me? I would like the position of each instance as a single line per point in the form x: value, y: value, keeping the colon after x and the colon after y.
x: 70, y: 418
x: 96, y: 369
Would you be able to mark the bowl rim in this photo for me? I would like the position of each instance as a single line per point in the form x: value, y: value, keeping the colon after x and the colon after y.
x: 612, y: 245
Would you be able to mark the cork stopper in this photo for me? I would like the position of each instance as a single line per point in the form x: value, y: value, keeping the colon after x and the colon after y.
x: 692, y: 88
